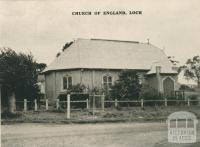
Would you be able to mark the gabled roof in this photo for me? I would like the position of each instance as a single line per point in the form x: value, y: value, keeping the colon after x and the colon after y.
x: 165, y: 68
x: 110, y: 54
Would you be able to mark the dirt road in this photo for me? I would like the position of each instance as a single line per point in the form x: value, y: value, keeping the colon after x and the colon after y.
x: 87, y: 135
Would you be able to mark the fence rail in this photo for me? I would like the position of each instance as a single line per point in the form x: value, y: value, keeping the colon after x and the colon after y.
x: 58, y: 104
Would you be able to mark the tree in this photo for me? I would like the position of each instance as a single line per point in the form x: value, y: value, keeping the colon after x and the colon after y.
x: 20, y: 73
x: 192, y: 69
x: 127, y: 87
x: 175, y: 64
x: 78, y: 88
x: 40, y: 66
x: 173, y: 60
x: 58, y: 54
x: 67, y: 45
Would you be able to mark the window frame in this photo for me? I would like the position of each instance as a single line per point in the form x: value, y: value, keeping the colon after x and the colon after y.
x: 107, y: 81
x: 62, y: 82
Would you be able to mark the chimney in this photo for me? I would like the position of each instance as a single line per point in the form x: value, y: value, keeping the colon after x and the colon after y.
x: 158, y: 69
x: 148, y: 40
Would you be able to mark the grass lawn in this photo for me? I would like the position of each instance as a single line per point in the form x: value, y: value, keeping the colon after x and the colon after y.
x: 124, y: 114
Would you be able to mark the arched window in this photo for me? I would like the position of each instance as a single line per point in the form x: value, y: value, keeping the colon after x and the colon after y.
x: 67, y: 82
x: 107, y: 81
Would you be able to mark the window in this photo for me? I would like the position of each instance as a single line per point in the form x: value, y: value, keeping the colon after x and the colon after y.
x: 107, y: 81
x: 67, y: 82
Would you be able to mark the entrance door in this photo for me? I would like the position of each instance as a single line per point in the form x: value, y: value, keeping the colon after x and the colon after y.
x: 168, y: 86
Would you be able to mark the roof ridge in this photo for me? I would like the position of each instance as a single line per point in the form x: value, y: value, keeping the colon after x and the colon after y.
x: 129, y: 41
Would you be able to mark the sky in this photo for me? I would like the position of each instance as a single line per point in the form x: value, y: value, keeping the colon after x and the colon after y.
x: 42, y: 27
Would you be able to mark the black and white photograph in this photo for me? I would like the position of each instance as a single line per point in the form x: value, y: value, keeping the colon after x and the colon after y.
x: 100, y: 73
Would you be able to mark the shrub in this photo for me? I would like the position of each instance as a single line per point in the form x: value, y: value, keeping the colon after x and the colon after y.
x: 98, y: 91
x: 78, y: 88
x: 7, y: 114
x: 149, y: 93
x: 76, y: 93
x: 127, y: 87
x: 186, y: 88
x: 194, y: 99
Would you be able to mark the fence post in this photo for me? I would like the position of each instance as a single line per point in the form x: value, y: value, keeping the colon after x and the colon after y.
x: 165, y: 102
x: 102, y: 101
x: 87, y: 103
x: 93, y: 109
x: 116, y: 103
x: 35, y: 101
x: 57, y: 104
x: 142, y: 103
x: 68, y: 106
x: 25, y: 105
x: 188, y: 102
x: 47, y: 104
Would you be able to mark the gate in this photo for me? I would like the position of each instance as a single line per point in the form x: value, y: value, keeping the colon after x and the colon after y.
x: 96, y: 102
